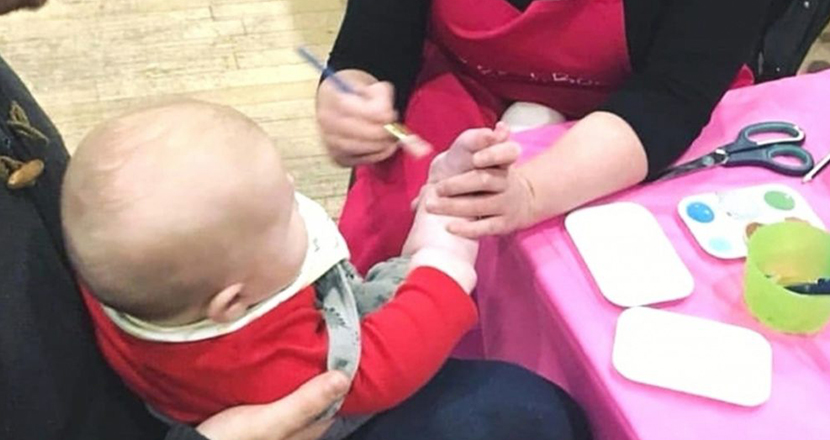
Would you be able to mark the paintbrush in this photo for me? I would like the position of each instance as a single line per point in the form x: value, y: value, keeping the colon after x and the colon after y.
x: 816, y: 169
x: 410, y: 142
x: 818, y: 287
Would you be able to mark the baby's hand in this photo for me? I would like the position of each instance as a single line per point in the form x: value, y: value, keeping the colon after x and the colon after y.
x: 471, y: 150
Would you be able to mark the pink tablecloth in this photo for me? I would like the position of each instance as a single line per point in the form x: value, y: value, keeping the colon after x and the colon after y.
x: 541, y: 308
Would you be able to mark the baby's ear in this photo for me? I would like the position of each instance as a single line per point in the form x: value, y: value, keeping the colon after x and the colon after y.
x: 228, y: 305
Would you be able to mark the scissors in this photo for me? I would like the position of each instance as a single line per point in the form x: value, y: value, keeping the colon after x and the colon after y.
x: 745, y: 151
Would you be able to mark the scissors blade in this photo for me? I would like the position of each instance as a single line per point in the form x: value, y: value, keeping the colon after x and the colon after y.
x: 701, y: 163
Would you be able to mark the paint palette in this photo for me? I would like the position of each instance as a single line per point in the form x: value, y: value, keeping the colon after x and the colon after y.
x: 721, y: 222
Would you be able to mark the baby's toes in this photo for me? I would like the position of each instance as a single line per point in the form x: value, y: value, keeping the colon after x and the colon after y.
x: 499, y: 155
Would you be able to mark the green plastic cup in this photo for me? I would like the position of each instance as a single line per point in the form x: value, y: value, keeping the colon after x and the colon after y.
x: 787, y: 253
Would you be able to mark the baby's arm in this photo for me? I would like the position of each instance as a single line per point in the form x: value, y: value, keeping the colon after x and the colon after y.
x: 429, y: 242
x: 405, y: 343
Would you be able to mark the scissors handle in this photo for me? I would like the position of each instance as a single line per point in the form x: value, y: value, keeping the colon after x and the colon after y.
x: 766, y: 157
x: 790, y: 134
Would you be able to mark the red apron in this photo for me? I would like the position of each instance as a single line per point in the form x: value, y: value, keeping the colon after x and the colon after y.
x: 482, y: 55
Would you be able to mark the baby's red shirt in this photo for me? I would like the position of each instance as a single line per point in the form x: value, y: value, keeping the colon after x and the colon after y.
x: 403, y: 345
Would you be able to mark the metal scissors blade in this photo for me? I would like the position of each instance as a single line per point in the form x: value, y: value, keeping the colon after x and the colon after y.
x: 712, y: 159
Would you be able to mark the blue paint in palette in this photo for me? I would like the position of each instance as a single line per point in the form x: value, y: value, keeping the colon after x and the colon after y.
x: 700, y: 212
x: 720, y: 244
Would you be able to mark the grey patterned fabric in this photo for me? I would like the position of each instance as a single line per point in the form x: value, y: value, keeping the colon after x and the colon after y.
x: 344, y: 298
x: 380, y: 284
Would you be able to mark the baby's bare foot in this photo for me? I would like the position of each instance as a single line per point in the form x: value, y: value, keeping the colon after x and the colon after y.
x: 458, y: 159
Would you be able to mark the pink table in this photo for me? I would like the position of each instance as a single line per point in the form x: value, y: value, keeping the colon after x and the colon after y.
x: 540, y: 307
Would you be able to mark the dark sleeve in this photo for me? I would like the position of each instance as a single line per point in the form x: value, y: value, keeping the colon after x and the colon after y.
x: 183, y: 432
x: 54, y: 384
x: 384, y: 38
x: 696, y: 50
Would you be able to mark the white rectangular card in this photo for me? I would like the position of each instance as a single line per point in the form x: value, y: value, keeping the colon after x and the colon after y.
x: 629, y: 255
x: 693, y: 355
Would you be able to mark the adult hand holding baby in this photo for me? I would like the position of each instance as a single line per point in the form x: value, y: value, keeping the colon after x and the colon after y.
x: 351, y: 124
x: 430, y: 240
x: 490, y: 192
x: 290, y: 418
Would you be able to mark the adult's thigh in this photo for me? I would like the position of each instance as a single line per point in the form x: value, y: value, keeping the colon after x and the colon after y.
x: 482, y: 400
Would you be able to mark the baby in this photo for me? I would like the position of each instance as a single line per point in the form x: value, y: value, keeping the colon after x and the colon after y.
x: 212, y: 283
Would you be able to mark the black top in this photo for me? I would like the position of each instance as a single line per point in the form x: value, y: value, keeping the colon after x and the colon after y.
x: 685, y: 54
x: 54, y: 384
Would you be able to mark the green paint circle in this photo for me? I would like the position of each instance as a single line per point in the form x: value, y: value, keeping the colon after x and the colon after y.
x: 779, y: 200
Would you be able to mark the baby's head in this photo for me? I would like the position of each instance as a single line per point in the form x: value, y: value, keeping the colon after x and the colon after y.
x: 181, y: 211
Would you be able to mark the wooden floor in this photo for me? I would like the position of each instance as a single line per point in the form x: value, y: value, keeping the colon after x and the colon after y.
x: 86, y: 60
x: 819, y: 55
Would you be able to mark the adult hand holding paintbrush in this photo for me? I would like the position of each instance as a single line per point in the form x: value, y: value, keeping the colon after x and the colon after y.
x: 357, y: 118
